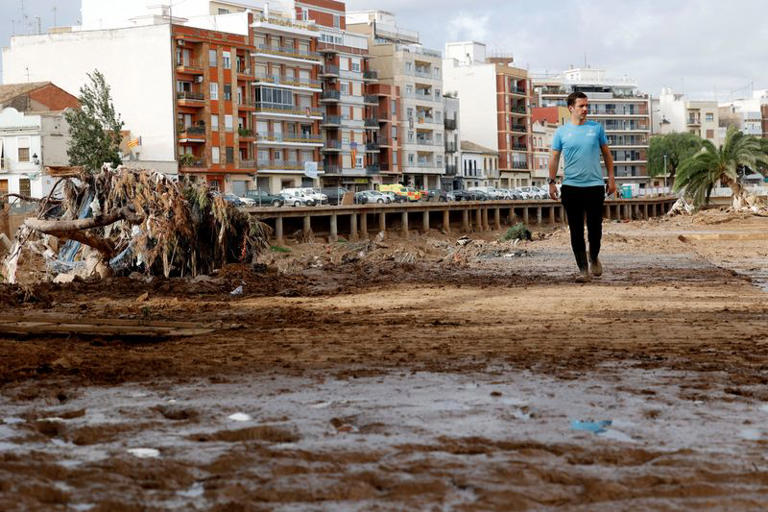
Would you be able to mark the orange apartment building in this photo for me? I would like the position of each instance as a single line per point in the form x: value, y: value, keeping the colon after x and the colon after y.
x: 247, y: 107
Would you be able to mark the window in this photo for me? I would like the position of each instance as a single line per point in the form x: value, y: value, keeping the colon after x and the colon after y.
x: 226, y: 61
x: 409, y: 90
x: 230, y: 152
x: 336, y: 21
x: 228, y: 122
x: 304, y: 14
x: 214, y: 91
x: 710, y: 134
x: 25, y: 187
x: 355, y: 65
x: 214, y: 123
x: 394, y: 107
x: 345, y: 88
x: 273, y: 95
x: 215, y: 155
x: 23, y: 144
x: 227, y: 92
x: 411, y: 158
x: 223, y: 11
x: 409, y: 66
x: 212, y: 58
x: 709, y: 116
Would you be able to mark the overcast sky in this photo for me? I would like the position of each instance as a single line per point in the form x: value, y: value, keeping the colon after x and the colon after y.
x: 700, y: 47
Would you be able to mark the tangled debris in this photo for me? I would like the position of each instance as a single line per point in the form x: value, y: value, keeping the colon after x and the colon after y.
x: 126, y: 220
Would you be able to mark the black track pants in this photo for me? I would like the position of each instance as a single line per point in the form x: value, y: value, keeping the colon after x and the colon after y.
x: 579, y: 201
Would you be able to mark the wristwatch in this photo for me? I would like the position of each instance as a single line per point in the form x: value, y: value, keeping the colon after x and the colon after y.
x: 551, y: 181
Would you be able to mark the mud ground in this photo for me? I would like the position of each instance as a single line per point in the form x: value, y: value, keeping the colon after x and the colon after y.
x: 408, y: 375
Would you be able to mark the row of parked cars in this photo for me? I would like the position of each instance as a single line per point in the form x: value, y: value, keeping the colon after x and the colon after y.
x: 387, y: 194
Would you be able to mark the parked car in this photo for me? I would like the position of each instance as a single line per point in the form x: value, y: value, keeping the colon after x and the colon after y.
x: 318, y: 196
x: 413, y: 194
x: 524, y: 195
x: 490, y: 192
x: 264, y: 198
x: 437, y: 196
x: 535, y: 192
x: 399, y: 190
x: 294, y: 197
x: 335, y: 195
x: 396, y: 198
x: 470, y: 195
x: 371, y: 197
x: 232, y: 199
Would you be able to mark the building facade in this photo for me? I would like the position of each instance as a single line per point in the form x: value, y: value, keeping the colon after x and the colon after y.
x: 615, y: 103
x: 496, y: 102
x: 400, y: 61
x: 542, y: 134
x: 452, y: 109
x: 479, y: 166
x: 677, y: 114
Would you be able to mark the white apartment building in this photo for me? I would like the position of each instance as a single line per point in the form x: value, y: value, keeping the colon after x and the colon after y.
x: 400, y: 61
x: 495, y: 105
x: 28, y: 143
x: 675, y: 113
x: 750, y: 115
x: 616, y: 103
x: 542, y: 134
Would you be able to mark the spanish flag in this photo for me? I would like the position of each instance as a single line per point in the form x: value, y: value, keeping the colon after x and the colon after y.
x: 132, y: 143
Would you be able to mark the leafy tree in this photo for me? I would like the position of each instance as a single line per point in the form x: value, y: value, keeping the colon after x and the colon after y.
x: 698, y: 174
x: 677, y: 147
x: 94, y: 127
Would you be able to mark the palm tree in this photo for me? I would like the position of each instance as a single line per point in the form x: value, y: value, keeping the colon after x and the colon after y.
x: 698, y: 174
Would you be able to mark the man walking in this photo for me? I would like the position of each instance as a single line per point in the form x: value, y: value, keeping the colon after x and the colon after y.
x: 583, y: 190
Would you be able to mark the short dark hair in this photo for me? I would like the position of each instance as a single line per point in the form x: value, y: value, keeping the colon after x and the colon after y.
x: 575, y: 96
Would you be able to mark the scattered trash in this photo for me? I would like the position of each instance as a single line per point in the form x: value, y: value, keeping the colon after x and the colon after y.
x: 195, y: 491
x: 596, y: 427
x: 464, y: 240
x: 240, y: 416
x: 144, y: 453
x: 322, y: 405
x: 237, y: 291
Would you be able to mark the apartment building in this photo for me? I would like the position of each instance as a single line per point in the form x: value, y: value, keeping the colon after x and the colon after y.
x: 401, y: 61
x: 676, y: 113
x: 542, y: 134
x: 615, y: 103
x: 747, y: 114
x: 229, y: 98
x: 495, y: 106
x: 452, y: 107
x: 479, y: 166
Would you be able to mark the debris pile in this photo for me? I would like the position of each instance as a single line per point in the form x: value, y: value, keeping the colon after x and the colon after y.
x: 126, y: 220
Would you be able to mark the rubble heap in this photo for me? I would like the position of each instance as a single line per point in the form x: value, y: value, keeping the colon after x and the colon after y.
x: 125, y: 220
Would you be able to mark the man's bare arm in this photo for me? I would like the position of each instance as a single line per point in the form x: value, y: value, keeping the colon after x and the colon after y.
x: 554, y: 163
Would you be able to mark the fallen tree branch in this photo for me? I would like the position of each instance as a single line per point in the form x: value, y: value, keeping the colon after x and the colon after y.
x: 26, y: 198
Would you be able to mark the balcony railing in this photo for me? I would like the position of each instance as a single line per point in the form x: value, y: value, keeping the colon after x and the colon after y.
x: 372, y: 146
x: 370, y: 99
x: 290, y: 165
x: 245, y: 132
x: 284, y: 137
x: 516, y: 90
x: 370, y: 75
x: 450, y: 147
x: 331, y: 95
x: 191, y: 130
x: 276, y: 108
x: 450, y: 124
x: 329, y: 70
x: 248, y: 164
x: 519, y: 165
x: 289, y: 23
x: 518, y: 128
x: 189, y: 67
x: 372, y: 169
x: 518, y: 110
x: 372, y: 123
x: 292, y: 81
x: 332, y: 144
x: 287, y: 51
x: 331, y: 120
x: 187, y: 95
x: 520, y: 147
x: 450, y: 169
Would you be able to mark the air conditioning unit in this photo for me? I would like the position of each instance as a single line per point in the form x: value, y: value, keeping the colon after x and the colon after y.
x: 199, y: 79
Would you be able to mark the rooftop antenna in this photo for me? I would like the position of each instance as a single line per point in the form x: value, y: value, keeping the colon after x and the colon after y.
x: 54, y: 15
x: 26, y: 68
x: 39, y: 30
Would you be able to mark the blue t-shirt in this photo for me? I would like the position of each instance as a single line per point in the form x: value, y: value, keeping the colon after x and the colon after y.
x: 580, y: 146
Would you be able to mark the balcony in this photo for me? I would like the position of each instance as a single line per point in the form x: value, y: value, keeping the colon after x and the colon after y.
x: 372, y: 147
x: 293, y: 82
x: 372, y: 123
x: 190, y: 99
x: 329, y: 71
x: 370, y: 75
x: 279, y: 165
x: 276, y: 109
x: 450, y: 147
x: 332, y: 169
x: 371, y: 170
x: 330, y: 96
x: 289, y: 139
x: 245, y: 133
x: 517, y: 90
x: 518, y: 128
x: 519, y: 165
x: 371, y: 100
x: 190, y: 161
x: 248, y: 164
x: 191, y: 67
x: 518, y: 110
x: 450, y: 170
x: 519, y: 147
x: 450, y: 124
x: 332, y: 146
x: 694, y: 121
x: 288, y: 53
x: 192, y: 133
x: 329, y: 121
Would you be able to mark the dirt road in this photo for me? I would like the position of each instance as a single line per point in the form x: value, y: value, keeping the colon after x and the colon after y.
x: 413, y: 375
